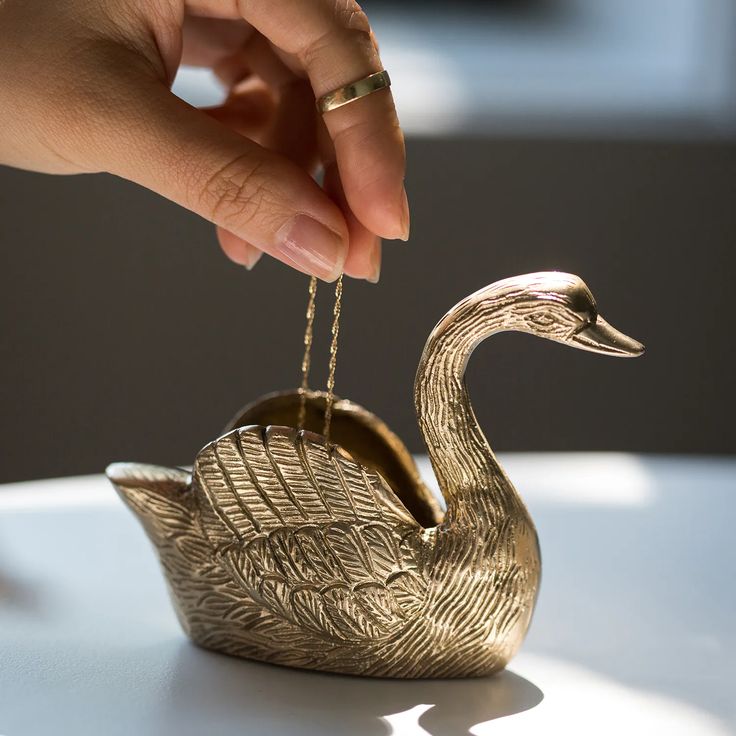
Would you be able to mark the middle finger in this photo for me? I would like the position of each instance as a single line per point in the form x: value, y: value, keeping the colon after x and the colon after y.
x: 333, y: 42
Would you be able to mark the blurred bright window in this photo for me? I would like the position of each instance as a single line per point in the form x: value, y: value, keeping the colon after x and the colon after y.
x: 560, y: 67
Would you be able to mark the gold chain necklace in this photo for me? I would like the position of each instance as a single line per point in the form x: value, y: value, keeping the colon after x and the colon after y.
x: 307, y: 357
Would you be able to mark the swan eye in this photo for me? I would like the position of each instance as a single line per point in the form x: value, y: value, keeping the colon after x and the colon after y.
x: 541, y: 320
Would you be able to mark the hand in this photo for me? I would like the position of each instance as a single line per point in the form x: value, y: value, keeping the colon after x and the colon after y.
x: 85, y: 87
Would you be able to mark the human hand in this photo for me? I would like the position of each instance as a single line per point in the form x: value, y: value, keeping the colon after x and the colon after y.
x: 85, y: 87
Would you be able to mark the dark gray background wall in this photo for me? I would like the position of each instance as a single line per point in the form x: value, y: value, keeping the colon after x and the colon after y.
x: 127, y: 335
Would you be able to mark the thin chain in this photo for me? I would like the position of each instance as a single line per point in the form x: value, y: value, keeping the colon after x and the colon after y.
x: 333, y: 357
x: 307, y: 358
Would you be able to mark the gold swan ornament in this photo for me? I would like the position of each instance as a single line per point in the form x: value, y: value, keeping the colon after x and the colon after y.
x: 282, y: 547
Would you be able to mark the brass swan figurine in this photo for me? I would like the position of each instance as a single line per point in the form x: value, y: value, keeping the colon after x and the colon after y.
x: 281, y: 547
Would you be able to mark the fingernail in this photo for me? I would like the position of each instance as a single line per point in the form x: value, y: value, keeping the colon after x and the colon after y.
x: 252, y: 256
x: 245, y: 254
x: 405, y: 219
x: 311, y: 247
x: 375, y: 261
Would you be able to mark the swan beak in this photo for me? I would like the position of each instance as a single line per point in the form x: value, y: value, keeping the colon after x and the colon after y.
x: 600, y: 337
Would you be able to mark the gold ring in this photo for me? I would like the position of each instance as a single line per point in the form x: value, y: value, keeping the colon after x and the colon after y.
x: 353, y: 91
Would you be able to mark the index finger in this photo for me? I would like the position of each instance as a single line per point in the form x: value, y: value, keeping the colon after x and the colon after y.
x: 333, y: 41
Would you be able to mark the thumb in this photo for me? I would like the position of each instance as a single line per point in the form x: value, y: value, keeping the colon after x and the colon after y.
x: 164, y: 144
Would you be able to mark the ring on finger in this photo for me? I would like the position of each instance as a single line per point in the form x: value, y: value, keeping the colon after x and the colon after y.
x: 354, y: 91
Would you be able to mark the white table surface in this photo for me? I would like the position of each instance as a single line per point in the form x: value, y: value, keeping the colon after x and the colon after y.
x: 634, y: 631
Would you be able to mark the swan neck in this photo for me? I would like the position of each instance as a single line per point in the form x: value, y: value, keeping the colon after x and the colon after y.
x: 467, y: 471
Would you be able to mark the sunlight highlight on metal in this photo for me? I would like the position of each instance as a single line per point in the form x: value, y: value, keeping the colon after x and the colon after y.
x: 283, y: 547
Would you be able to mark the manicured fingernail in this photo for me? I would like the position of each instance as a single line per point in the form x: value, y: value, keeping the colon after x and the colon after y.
x: 245, y: 254
x: 375, y: 261
x: 251, y: 257
x: 405, y: 220
x: 311, y: 247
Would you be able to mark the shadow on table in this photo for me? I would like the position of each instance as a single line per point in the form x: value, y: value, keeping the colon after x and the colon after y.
x: 17, y: 594
x: 214, y: 688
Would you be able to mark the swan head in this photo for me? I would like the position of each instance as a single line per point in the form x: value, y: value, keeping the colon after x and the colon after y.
x: 560, y: 307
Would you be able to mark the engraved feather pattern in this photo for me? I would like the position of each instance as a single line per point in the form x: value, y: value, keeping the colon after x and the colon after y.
x: 281, y: 549
x: 284, y: 548
x: 313, y: 538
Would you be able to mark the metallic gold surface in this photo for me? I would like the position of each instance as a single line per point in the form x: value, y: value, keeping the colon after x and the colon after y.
x: 282, y: 547
x: 333, y: 358
x: 354, y: 91
x: 307, y: 357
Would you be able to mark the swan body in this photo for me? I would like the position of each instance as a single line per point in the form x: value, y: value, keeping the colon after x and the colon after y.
x: 281, y: 547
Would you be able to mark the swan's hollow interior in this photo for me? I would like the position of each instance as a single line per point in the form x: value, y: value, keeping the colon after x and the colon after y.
x: 366, y: 437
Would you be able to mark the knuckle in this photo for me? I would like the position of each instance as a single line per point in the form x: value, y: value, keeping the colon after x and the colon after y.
x: 383, y: 138
x: 366, y: 135
x: 237, y: 195
x: 351, y: 16
x: 371, y: 133
x: 349, y: 26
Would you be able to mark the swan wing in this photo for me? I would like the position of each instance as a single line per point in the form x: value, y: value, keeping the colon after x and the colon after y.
x: 320, y: 543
